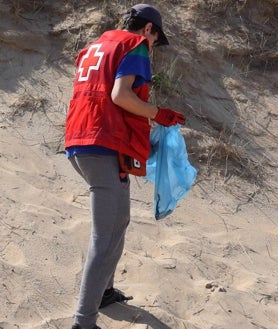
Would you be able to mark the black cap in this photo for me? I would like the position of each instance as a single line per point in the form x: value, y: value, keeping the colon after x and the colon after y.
x: 152, y: 15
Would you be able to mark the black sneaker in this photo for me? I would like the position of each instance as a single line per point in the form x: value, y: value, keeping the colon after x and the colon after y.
x: 112, y: 296
x: 77, y: 326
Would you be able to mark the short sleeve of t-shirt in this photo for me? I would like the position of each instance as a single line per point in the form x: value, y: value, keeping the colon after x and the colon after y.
x: 136, y: 62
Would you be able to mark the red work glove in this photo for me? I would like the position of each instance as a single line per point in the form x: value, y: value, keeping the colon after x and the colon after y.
x: 167, y: 117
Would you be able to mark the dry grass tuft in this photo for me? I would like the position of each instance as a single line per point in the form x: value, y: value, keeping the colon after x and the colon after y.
x: 27, y: 103
x: 236, y: 160
x: 223, y: 156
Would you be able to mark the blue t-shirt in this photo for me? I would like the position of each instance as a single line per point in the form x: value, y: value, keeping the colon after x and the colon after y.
x: 136, y: 62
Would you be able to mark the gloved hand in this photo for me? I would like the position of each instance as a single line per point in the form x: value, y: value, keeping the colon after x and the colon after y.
x: 167, y: 117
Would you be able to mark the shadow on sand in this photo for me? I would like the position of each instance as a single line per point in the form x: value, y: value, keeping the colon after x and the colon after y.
x: 133, y: 314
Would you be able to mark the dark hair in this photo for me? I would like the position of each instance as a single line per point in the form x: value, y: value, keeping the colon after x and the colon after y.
x: 137, y: 23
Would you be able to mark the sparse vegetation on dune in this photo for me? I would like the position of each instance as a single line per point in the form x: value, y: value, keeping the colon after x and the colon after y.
x: 220, y: 69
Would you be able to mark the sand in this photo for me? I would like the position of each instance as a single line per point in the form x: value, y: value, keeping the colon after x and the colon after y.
x: 211, y: 264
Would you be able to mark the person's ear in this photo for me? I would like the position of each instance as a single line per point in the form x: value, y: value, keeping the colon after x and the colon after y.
x: 148, y: 27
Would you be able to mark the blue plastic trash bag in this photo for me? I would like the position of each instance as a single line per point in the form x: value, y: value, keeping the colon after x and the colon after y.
x: 169, y: 169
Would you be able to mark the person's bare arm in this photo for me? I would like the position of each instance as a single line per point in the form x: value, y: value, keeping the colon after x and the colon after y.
x: 123, y: 96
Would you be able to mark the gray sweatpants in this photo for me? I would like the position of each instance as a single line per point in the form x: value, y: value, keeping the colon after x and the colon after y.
x: 110, y: 206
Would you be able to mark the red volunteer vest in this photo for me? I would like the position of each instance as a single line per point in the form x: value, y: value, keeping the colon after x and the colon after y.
x: 93, y: 119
